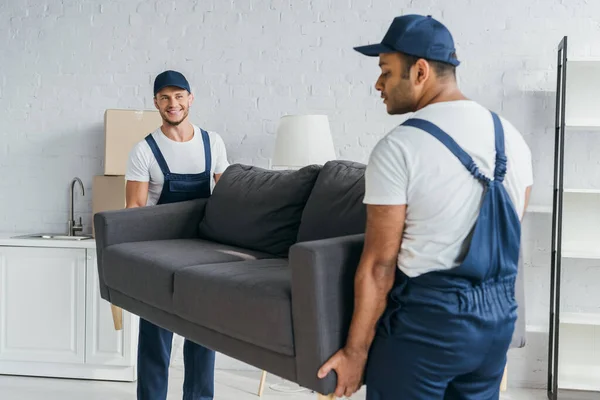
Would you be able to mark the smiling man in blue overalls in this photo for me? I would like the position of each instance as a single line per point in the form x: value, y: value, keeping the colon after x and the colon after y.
x: 445, y: 192
x: 177, y: 162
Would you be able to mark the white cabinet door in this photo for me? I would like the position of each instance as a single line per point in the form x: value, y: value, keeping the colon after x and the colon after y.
x: 42, y: 304
x: 104, y: 344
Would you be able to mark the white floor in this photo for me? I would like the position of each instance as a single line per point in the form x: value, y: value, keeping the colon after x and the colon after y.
x: 230, y: 385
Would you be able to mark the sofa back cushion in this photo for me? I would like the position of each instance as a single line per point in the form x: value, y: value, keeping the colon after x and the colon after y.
x: 335, y: 206
x: 258, y: 209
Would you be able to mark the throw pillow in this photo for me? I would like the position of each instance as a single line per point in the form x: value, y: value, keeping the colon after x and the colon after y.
x: 335, y: 206
x: 258, y: 209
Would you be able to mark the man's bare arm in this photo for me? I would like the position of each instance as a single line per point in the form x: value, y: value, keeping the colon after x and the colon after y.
x: 374, y: 279
x: 136, y: 194
x: 376, y: 272
x: 527, y: 195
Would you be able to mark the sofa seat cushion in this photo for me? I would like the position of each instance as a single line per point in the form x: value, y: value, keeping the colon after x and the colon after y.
x: 249, y: 301
x: 335, y: 206
x: 144, y: 270
x: 258, y: 209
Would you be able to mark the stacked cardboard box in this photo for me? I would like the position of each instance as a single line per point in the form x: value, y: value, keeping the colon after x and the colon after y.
x: 122, y: 130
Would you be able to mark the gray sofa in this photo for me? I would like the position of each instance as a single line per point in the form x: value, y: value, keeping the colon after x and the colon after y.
x: 262, y: 271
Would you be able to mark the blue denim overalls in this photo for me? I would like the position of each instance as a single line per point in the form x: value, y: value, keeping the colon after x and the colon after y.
x: 445, y: 334
x: 154, y: 345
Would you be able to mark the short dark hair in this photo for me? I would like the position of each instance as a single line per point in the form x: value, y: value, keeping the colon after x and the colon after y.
x: 441, y: 69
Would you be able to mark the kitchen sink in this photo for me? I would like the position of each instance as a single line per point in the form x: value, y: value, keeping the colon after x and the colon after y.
x: 74, y: 230
x: 53, y: 236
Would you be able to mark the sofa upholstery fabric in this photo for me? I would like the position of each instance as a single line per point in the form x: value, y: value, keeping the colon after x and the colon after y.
x: 145, y: 270
x: 335, y: 206
x: 257, y: 308
x: 258, y: 209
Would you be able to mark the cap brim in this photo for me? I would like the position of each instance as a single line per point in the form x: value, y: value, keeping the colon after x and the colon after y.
x: 373, y: 50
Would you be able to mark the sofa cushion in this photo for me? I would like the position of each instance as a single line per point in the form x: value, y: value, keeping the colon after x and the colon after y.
x: 248, y: 301
x: 335, y: 206
x: 258, y: 209
x: 144, y: 270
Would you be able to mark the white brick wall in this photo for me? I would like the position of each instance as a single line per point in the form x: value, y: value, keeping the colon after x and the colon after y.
x: 62, y: 63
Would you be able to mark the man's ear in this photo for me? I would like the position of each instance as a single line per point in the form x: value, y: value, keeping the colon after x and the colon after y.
x: 190, y: 99
x: 423, y: 71
x: 156, y: 103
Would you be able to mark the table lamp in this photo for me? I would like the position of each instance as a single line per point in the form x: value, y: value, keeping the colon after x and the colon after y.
x: 302, y: 140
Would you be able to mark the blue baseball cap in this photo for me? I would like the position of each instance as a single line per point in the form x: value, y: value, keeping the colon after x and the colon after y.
x: 170, y: 78
x: 418, y: 36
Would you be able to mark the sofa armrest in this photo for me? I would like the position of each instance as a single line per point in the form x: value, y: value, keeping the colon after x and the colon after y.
x: 322, y: 303
x: 160, y: 222
x: 519, y: 339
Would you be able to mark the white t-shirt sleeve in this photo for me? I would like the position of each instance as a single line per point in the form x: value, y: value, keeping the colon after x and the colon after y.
x: 527, y: 166
x: 220, y: 154
x: 520, y: 156
x: 138, y: 164
x: 386, y: 175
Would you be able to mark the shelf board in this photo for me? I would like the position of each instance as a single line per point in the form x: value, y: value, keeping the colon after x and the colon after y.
x: 568, y: 318
x: 582, y: 191
x: 533, y: 328
x: 575, y: 318
x: 583, y: 125
x: 573, y: 384
x: 580, y: 254
x: 575, y: 245
x: 575, y: 377
x: 535, y: 209
x: 593, y: 61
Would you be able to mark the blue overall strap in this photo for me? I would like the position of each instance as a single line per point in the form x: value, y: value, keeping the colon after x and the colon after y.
x: 158, y: 155
x: 207, y: 152
x: 501, y: 160
x: 447, y: 141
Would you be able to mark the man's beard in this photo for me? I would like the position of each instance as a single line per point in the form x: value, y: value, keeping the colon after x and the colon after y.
x: 175, y: 123
x: 398, y: 100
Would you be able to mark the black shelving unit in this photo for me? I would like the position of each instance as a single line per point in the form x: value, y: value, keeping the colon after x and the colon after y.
x: 556, y: 256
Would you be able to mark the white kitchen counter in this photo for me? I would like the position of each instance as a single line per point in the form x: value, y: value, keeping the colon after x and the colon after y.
x: 7, y: 239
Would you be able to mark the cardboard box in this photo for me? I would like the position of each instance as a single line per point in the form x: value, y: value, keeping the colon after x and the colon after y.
x: 122, y: 130
x: 108, y: 193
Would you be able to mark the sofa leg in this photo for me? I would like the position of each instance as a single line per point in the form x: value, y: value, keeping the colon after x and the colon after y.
x: 261, y: 386
x: 504, y: 383
x: 323, y: 397
x: 117, y: 314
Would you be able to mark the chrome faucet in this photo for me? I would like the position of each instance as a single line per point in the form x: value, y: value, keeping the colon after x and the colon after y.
x: 73, y: 227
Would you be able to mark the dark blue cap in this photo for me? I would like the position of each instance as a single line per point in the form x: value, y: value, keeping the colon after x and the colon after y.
x: 416, y: 35
x: 170, y: 78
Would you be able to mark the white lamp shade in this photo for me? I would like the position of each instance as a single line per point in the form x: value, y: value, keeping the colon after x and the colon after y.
x: 303, y: 140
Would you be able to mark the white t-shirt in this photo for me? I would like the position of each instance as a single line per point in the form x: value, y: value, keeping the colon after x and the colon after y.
x: 410, y: 166
x: 181, y: 157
